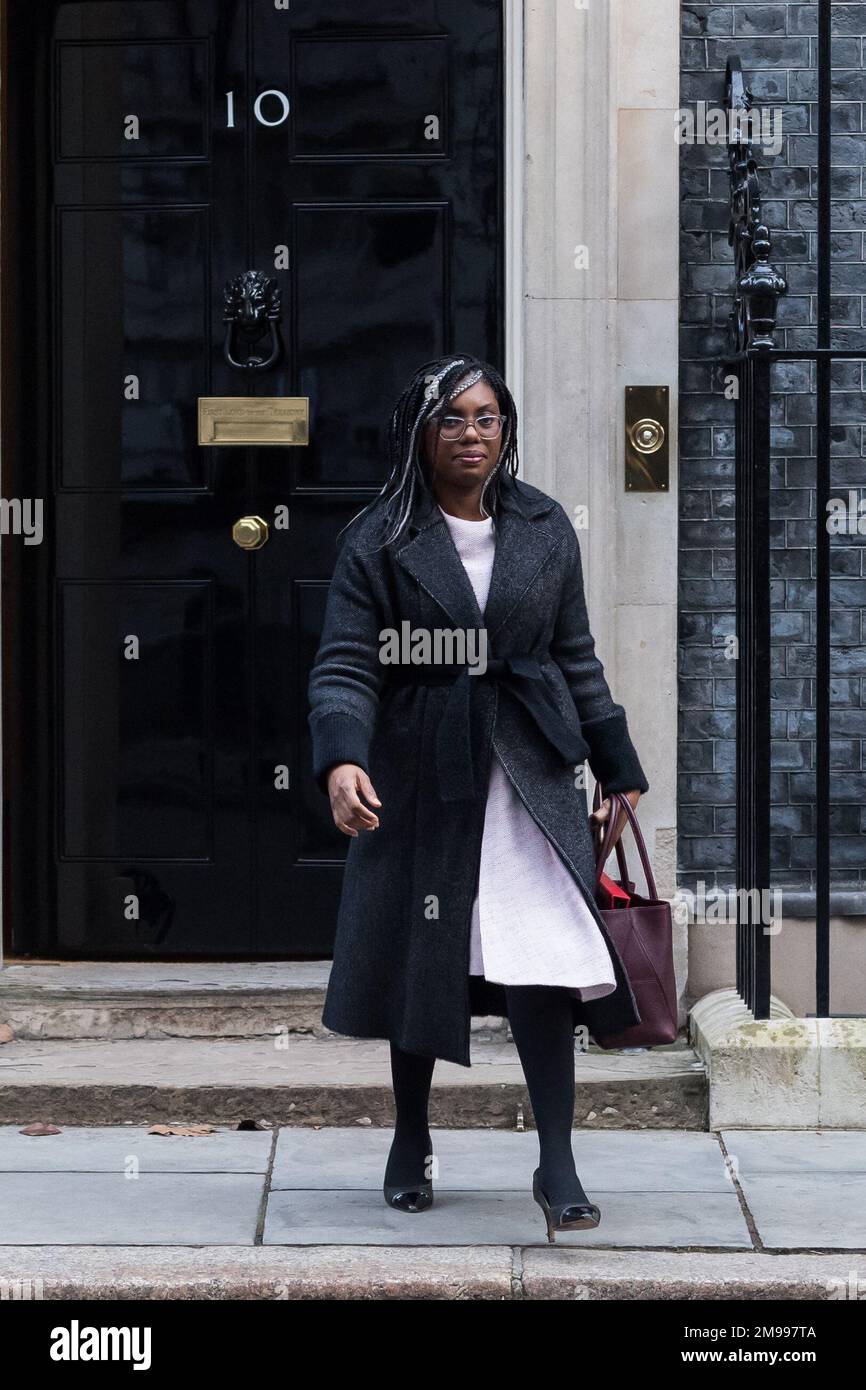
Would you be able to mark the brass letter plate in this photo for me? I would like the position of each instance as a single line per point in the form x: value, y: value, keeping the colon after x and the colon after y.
x: 647, y: 442
x: 253, y: 420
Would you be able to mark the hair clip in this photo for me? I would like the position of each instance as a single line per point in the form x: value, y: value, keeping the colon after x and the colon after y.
x: 432, y: 387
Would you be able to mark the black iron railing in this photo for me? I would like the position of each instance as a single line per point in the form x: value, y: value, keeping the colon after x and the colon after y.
x: 752, y: 357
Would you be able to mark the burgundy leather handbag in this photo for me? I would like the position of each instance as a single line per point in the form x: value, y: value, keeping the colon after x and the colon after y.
x: 642, y: 931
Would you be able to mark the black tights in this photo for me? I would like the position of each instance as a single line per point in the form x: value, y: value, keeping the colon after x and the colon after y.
x: 541, y: 1022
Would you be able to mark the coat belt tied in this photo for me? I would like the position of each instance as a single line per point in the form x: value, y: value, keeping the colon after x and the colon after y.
x: 523, y: 676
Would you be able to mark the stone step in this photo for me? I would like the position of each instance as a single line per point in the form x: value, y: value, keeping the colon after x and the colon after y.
x: 293, y: 1079
x: 384, y: 1272
x: 143, y: 999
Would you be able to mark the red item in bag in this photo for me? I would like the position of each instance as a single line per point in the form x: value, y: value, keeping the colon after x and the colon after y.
x: 610, y: 895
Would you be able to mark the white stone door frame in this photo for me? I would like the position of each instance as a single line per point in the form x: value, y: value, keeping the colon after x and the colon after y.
x: 592, y: 158
x: 514, y: 156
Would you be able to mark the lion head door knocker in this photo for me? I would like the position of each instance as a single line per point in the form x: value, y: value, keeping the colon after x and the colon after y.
x: 251, y: 313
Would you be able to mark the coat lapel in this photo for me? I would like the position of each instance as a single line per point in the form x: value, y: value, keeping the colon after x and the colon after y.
x: 523, y: 543
x: 432, y: 558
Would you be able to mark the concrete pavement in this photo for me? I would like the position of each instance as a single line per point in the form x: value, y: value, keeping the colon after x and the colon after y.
x: 298, y: 1213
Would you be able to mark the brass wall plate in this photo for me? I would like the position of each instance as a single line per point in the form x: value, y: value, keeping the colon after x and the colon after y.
x: 253, y: 420
x: 647, y: 438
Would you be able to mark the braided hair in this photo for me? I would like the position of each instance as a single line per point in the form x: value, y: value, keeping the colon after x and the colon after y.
x: 427, y: 397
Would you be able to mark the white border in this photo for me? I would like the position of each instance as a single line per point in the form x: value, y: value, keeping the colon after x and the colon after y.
x: 514, y: 112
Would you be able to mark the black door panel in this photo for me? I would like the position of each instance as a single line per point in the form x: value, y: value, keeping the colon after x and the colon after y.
x: 158, y: 754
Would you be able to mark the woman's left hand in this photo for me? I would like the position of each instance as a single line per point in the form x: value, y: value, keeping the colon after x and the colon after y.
x: 597, y: 818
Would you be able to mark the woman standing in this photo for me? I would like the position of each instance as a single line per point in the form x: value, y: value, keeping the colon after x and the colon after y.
x: 468, y: 887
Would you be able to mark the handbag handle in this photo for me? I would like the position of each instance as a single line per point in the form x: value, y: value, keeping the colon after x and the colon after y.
x: 620, y: 802
x: 606, y: 830
x: 603, y: 827
x: 619, y: 847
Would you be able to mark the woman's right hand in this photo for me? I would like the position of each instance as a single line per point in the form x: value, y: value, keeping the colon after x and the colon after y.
x: 347, y: 783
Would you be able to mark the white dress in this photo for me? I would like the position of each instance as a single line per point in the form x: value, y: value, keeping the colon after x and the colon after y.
x: 530, y: 921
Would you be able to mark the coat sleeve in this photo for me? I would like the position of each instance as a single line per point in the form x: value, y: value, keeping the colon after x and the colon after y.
x: 612, y: 756
x: 347, y: 674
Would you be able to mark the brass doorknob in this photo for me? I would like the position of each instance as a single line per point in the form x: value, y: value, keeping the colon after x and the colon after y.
x: 250, y: 532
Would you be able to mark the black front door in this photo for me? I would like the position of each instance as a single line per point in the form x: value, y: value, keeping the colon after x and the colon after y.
x: 158, y: 790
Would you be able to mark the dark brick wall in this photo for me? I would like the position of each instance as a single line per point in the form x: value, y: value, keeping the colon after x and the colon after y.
x: 778, y: 51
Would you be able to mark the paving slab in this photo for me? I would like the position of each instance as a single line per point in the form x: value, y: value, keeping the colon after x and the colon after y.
x: 112, y: 1209
x: 823, y: 1210
x: 804, y: 1188
x: 685, y: 1219
x: 796, y: 1151
x: 485, y: 1160
x: 675, y: 1190
x: 105, y: 1150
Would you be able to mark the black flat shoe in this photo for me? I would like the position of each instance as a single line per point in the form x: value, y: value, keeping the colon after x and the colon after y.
x: 416, y: 1196
x: 567, y: 1216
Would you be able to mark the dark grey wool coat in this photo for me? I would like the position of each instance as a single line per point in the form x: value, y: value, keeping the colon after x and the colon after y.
x: 401, y: 966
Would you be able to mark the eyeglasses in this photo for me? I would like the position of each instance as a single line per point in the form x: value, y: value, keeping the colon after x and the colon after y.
x: 454, y: 426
